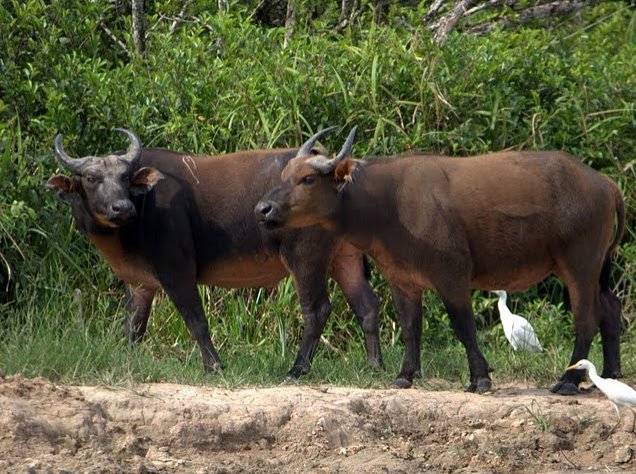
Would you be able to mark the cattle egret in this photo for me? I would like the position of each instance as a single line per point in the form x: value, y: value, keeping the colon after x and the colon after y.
x: 620, y: 394
x: 517, y: 329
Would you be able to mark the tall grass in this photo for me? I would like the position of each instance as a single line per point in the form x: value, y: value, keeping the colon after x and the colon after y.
x: 226, y: 84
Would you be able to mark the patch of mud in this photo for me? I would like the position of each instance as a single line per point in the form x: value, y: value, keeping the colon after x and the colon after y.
x: 164, y: 428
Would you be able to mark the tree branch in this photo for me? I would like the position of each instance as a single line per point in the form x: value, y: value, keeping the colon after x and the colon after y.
x: 451, y: 19
x: 527, y: 15
x: 179, y: 17
x: 432, y: 11
x: 191, y: 19
x: 112, y: 36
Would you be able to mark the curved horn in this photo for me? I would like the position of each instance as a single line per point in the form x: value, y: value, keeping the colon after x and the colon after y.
x: 348, y: 145
x: 306, y: 147
x: 74, y: 164
x: 134, y: 151
x: 323, y: 165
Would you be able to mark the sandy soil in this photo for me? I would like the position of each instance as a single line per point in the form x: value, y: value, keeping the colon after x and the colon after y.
x: 163, y: 428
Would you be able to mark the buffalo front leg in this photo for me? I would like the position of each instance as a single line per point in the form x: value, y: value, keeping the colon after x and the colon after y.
x: 308, y: 269
x: 348, y: 269
x: 138, y: 304
x: 315, y: 306
x: 187, y: 301
x: 409, y: 309
x: 459, y: 308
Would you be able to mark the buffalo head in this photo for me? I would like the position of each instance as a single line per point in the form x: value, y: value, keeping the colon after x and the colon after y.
x: 102, y: 186
x: 309, y: 189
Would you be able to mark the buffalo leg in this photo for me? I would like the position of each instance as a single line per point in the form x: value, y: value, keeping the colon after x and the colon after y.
x: 138, y: 304
x: 186, y: 299
x: 460, y: 312
x: 611, y: 324
x: 409, y: 309
x: 309, y: 272
x: 348, y: 270
x: 584, y: 298
x: 315, y: 306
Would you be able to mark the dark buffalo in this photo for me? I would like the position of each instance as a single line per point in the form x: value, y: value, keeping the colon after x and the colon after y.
x: 496, y: 221
x: 170, y: 220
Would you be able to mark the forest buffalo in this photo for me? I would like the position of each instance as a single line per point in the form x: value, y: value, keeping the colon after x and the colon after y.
x: 497, y: 221
x: 169, y: 220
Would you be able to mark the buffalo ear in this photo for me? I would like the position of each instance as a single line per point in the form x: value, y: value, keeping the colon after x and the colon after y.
x: 343, y: 173
x: 144, y: 180
x: 63, y: 186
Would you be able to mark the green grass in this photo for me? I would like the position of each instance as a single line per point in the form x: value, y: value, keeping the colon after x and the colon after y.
x: 78, y: 339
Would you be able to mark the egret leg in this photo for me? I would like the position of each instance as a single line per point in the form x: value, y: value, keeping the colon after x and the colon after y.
x: 618, y: 414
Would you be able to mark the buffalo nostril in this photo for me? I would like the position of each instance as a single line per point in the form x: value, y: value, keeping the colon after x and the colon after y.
x: 264, y: 208
x: 120, y: 207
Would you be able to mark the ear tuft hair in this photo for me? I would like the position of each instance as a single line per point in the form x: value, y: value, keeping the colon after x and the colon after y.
x: 343, y: 173
x: 144, y: 180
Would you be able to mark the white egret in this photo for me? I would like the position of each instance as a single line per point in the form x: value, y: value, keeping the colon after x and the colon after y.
x: 619, y: 394
x: 517, y: 329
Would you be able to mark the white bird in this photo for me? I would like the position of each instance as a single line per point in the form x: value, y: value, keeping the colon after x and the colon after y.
x: 517, y: 329
x: 619, y: 394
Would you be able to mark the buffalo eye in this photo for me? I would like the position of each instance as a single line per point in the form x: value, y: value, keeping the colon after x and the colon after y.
x: 309, y: 179
x: 91, y: 179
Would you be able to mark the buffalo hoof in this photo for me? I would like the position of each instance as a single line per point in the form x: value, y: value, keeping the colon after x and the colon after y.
x: 565, y: 388
x: 214, y: 368
x: 402, y: 383
x: 296, y: 372
x: 482, y: 386
x: 616, y: 374
x: 290, y: 380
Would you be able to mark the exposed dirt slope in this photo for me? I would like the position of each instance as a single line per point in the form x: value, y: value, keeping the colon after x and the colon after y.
x: 46, y: 428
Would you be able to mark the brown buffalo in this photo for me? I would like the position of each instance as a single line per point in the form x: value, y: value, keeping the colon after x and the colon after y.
x: 497, y: 221
x: 169, y: 220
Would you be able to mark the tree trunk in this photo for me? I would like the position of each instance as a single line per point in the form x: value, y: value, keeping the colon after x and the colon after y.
x: 290, y: 22
x: 138, y: 30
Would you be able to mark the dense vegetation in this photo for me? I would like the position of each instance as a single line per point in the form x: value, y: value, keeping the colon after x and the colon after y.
x: 222, y: 82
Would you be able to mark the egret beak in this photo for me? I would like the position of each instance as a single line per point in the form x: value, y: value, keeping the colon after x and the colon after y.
x: 572, y: 367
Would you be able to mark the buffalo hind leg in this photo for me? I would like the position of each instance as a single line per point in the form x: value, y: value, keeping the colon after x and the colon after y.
x: 409, y: 309
x: 187, y: 301
x: 138, y: 304
x: 584, y: 298
x: 348, y: 269
x: 459, y: 308
x: 611, y: 325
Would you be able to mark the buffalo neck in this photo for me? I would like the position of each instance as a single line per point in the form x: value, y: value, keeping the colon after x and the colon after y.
x: 367, y: 206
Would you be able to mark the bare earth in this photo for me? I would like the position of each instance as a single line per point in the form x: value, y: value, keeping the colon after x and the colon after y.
x: 163, y: 428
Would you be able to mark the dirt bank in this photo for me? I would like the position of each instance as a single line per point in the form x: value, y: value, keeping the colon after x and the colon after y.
x: 161, y: 428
